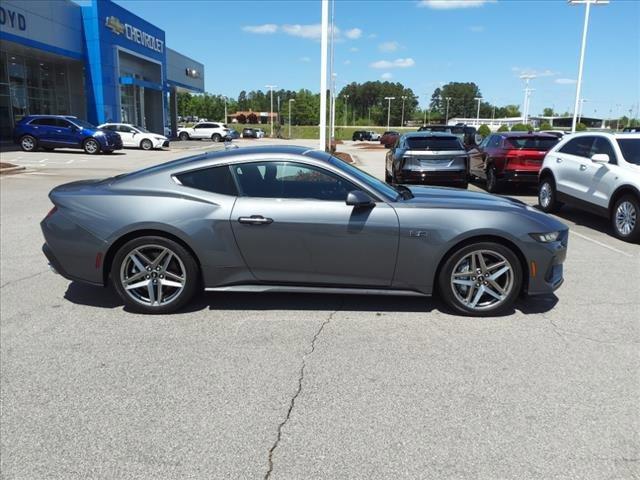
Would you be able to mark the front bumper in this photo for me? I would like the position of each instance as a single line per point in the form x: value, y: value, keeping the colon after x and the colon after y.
x: 432, y: 177
x: 110, y: 143
x: 546, y: 272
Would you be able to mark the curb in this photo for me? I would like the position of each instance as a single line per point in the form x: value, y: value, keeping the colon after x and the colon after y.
x: 11, y: 170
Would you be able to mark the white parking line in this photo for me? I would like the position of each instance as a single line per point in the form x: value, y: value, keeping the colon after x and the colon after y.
x: 601, y: 244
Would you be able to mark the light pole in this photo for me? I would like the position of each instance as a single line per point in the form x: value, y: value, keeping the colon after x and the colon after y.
x: 527, y: 91
x: 323, y: 74
x: 427, y: 109
x: 581, y: 108
x: 478, y: 99
x: 271, y: 87
x: 585, y: 28
x: 290, y: 100
x: 346, y: 101
x: 404, y: 97
x: 618, y: 116
x: 332, y: 106
x: 332, y: 78
x: 389, y: 110
x: 225, y: 109
x: 446, y: 119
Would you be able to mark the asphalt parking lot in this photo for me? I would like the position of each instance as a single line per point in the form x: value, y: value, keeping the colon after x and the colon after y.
x: 310, y: 386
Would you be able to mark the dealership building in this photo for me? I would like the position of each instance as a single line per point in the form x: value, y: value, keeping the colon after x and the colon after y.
x: 92, y: 59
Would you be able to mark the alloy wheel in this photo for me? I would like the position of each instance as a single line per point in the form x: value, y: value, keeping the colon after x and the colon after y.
x: 626, y: 218
x: 545, y: 195
x: 153, y: 275
x: 28, y: 143
x: 482, y: 280
x: 91, y: 146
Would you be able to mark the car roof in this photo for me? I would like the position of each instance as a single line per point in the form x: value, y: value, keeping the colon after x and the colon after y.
x: 607, y: 134
x: 429, y: 134
x: 526, y: 134
x: 37, y: 115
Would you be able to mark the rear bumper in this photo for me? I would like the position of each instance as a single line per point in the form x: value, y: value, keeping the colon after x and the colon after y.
x: 519, y: 176
x: 433, y: 177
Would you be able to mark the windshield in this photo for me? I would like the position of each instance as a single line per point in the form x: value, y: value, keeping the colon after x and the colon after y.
x: 82, y: 123
x: 369, y: 180
x: 630, y: 149
x: 434, y: 143
x: 142, y: 129
x: 530, y: 143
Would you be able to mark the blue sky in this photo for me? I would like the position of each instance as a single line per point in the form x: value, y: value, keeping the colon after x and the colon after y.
x: 247, y: 45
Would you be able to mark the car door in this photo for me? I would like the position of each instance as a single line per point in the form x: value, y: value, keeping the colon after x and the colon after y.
x: 597, y: 180
x: 128, y: 136
x: 476, y: 157
x: 292, y: 224
x: 44, y: 129
x: 570, y: 165
x: 66, y: 134
x: 200, y: 130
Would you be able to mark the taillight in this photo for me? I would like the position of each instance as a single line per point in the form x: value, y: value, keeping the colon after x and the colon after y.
x: 52, y: 211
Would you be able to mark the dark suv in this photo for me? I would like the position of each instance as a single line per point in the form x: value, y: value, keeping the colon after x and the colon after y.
x: 466, y: 134
x: 61, y: 131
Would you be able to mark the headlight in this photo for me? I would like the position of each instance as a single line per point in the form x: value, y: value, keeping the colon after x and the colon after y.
x: 99, y: 133
x: 159, y: 138
x: 545, y: 237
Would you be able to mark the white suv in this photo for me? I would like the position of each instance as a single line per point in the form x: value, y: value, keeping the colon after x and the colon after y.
x: 213, y: 130
x: 599, y: 172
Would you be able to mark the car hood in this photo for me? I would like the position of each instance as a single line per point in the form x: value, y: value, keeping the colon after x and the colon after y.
x: 456, y: 198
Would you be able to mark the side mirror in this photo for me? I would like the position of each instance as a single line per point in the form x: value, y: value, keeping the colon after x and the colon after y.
x: 478, y: 139
x: 600, y: 158
x: 357, y: 198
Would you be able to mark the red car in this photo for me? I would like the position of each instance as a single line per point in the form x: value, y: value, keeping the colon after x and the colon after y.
x: 510, y: 157
x: 389, y: 138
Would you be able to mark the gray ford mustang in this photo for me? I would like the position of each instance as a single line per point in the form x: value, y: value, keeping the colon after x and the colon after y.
x: 296, y: 220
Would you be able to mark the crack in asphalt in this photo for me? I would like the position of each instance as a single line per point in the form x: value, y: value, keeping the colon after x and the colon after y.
x: 561, y: 332
x: 11, y: 282
x: 292, y: 402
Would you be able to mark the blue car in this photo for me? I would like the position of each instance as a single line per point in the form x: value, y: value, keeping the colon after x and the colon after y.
x: 62, y: 131
x: 233, y: 134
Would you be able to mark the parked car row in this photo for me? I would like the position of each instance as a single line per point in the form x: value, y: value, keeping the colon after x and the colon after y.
x: 365, y: 135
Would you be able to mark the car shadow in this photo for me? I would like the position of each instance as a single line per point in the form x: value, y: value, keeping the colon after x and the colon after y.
x: 101, y: 297
x: 584, y: 218
x: 524, y: 190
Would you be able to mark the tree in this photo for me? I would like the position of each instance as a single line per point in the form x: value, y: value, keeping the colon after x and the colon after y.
x: 484, y: 130
x: 252, y: 118
x: 545, y: 126
x: 548, y: 112
x: 581, y: 127
x: 503, y: 128
x: 462, y: 99
x: 242, y: 118
x: 521, y: 127
x: 436, y: 99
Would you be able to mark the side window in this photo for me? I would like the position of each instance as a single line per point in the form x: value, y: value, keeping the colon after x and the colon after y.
x: 45, y: 122
x: 214, y: 125
x: 124, y: 129
x: 214, y: 180
x: 485, y: 142
x: 62, y: 123
x: 290, y: 180
x: 603, y: 145
x: 199, y: 126
x: 113, y: 128
x: 495, y: 142
x: 580, y: 147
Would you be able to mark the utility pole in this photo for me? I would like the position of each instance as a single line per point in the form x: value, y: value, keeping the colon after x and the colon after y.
x: 271, y: 87
x: 585, y: 28
x: 332, y: 79
x: 290, y: 100
x: 427, y: 109
x: 323, y: 74
x: 618, y: 116
x: 225, y: 109
x: 346, y: 101
x: 478, y: 99
x: 446, y: 121
x: 389, y: 110
x: 527, y: 91
x: 402, y: 118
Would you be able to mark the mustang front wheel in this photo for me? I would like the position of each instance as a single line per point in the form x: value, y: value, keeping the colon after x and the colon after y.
x: 154, y: 275
x: 481, y: 279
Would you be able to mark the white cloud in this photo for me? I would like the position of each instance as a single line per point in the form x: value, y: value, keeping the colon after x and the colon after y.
x: 353, y: 34
x: 531, y: 71
x: 477, y: 28
x: 452, y: 4
x: 304, y: 31
x: 386, y: 75
x: 267, y: 28
x: 354, y: 49
x: 565, y: 81
x: 347, y: 62
x: 398, y: 63
x: 305, y: 59
x: 388, y: 46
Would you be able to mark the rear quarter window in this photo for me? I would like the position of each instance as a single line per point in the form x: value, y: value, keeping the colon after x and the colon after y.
x: 213, y: 179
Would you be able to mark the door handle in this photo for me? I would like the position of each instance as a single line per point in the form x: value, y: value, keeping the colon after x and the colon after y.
x: 558, y: 160
x: 255, y: 220
x: 583, y: 167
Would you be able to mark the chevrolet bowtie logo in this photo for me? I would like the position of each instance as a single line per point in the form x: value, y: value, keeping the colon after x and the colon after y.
x: 114, y: 24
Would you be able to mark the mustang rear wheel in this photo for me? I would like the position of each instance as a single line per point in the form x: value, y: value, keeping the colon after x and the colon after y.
x: 481, y: 279
x: 154, y: 275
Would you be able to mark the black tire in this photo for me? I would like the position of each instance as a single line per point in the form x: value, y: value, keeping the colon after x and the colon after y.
x: 216, y: 137
x: 91, y: 146
x: 184, y: 136
x: 493, y: 186
x: 464, y: 185
x: 47, y: 149
x: 446, y: 287
x: 107, y: 152
x: 548, y: 196
x: 188, y: 264
x: 28, y: 143
x: 146, y: 144
x: 626, y: 213
x: 387, y: 177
